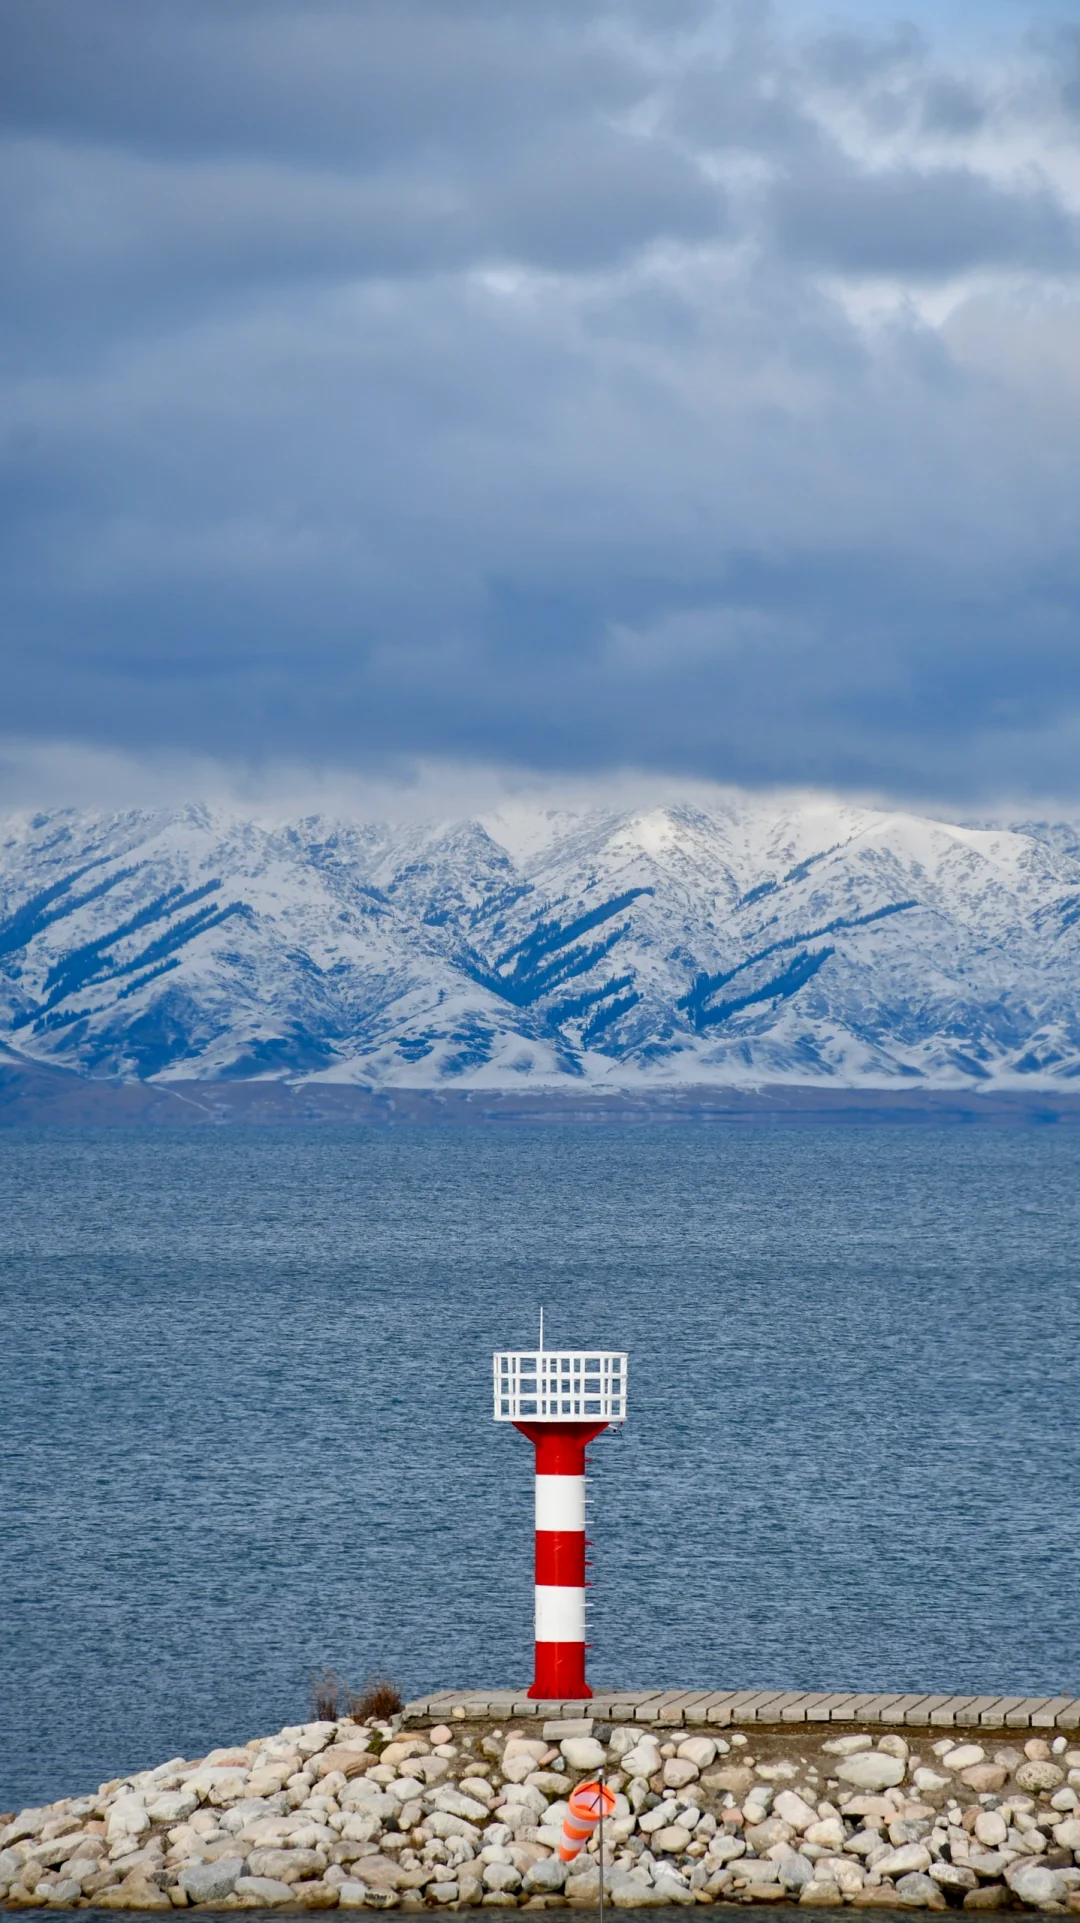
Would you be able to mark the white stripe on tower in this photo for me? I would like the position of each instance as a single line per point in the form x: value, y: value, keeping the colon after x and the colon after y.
x: 560, y: 1613
x: 560, y: 1502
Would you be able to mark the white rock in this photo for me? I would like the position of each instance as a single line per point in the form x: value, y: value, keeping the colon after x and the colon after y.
x: 219, y: 1786
x: 29, y: 1822
x: 901, y: 1862
x: 238, y: 1816
x: 847, y: 1745
x: 916, y: 1890
x: 827, y: 1834
x: 501, y: 1876
x: 209, y: 1882
x: 405, y: 1749
x: 757, y: 1869
x: 547, y: 1835
x: 368, y: 1798
x: 754, y: 1816
x: 554, y: 1730
x: 352, y: 1895
x: 544, y: 1876
x: 655, y: 1819
x: 443, y: 1823
x: 793, y: 1809
x: 1067, y: 1835
x: 11, y: 1862
x: 871, y: 1770
x: 550, y: 1782
x: 928, y: 1780
x: 629, y: 1888
x: 669, y: 1889
x: 991, y: 1828
x: 175, y: 1806
x: 519, y: 1796
x: 630, y: 1891
x: 61, y: 1892
x: 989, y: 1864
x: 582, y: 1881
x: 820, y: 1894
x: 679, y: 1771
x: 965, y: 1756
x: 260, y: 1890
x: 672, y: 1839
x: 700, y: 1750
x: 671, y: 1886
x: 455, y: 1804
x: 842, y: 1870
x: 644, y: 1759
x: 953, y: 1876
x: 127, y: 1817
x: 315, y: 1736
x: 407, y: 1788
x: 795, y: 1870
x: 1033, y: 1883
x: 724, y: 1849
x: 583, y: 1752
x: 286, y: 1865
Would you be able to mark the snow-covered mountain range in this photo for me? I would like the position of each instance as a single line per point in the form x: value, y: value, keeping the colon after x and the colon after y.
x: 756, y: 941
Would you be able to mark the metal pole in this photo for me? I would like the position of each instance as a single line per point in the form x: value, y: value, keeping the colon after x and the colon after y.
x: 600, y: 1780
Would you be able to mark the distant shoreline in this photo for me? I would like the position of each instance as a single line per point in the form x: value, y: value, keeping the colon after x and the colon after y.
x: 32, y: 1095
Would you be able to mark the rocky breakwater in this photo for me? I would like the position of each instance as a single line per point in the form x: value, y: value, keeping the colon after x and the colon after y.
x: 354, y: 1815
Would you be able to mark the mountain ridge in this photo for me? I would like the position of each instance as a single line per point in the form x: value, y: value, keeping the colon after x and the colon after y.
x: 757, y: 941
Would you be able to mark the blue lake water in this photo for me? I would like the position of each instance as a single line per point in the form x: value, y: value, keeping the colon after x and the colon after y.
x: 247, y: 1425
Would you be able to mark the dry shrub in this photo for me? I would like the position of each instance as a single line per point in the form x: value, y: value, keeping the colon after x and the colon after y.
x: 377, y: 1699
x: 327, y: 1692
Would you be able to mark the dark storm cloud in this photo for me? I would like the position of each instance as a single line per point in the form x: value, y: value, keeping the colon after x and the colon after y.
x: 926, y: 223
x: 404, y: 378
x: 325, y: 80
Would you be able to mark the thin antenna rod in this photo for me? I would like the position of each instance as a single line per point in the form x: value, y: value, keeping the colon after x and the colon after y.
x: 541, y: 1329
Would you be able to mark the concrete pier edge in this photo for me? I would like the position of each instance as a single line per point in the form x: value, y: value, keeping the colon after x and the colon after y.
x: 721, y: 1709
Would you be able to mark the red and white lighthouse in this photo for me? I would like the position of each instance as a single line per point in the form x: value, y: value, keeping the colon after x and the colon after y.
x: 561, y: 1399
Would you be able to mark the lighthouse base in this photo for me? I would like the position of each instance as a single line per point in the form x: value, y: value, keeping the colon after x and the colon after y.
x: 560, y: 1672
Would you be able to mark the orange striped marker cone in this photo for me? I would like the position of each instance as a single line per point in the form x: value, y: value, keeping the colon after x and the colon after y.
x: 588, y: 1803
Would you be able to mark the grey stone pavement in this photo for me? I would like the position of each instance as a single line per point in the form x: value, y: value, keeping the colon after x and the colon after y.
x: 679, y: 1708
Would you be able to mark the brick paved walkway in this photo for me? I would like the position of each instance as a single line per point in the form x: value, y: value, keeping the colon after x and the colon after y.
x: 678, y: 1708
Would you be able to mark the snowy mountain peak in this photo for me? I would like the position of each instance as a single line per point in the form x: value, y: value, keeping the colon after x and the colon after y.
x: 754, y: 941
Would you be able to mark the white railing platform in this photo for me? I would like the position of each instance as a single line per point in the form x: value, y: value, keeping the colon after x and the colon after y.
x: 560, y: 1385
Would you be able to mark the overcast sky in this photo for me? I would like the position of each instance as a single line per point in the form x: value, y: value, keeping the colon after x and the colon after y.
x: 559, y: 385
